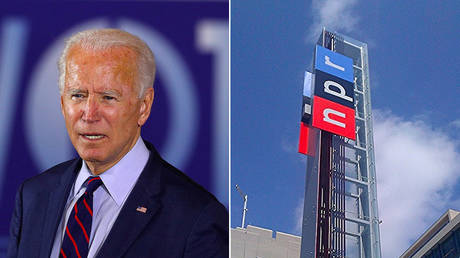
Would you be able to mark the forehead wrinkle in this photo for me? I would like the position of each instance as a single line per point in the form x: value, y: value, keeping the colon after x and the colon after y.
x: 118, y: 60
x: 74, y: 90
x: 115, y: 54
x: 109, y: 92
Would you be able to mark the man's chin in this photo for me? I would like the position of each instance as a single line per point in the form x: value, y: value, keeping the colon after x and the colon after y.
x: 91, y: 156
x: 97, y: 164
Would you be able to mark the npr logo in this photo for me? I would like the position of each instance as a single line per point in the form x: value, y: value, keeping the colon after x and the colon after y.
x: 333, y: 103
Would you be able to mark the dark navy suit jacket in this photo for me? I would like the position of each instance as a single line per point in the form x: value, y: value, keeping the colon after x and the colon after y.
x: 182, y: 218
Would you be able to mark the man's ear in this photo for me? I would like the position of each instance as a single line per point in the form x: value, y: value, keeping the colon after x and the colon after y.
x: 62, y: 105
x: 146, y: 106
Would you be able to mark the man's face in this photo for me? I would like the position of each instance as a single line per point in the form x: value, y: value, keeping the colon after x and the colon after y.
x: 100, y: 104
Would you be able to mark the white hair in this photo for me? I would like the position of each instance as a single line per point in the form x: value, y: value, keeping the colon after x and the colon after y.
x: 103, y: 39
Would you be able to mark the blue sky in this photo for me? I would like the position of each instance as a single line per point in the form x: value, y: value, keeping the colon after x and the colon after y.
x: 414, y: 64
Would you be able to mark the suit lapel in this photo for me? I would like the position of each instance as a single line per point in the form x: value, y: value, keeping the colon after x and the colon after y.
x: 57, y: 199
x: 140, y: 207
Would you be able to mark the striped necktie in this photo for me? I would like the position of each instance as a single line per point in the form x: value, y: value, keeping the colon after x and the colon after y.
x: 78, y: 229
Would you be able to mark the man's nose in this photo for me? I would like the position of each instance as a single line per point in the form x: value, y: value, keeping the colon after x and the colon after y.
x: 91, y: 110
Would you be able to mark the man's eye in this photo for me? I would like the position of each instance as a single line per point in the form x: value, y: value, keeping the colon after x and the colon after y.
x: 109, y: 98
x: 77, y: 96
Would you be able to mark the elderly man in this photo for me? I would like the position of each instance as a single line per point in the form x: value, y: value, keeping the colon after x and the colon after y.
x: 119, y: 199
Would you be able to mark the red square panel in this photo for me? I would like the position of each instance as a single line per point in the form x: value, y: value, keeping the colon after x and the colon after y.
x: 308, y: 139
x: 333, y: 117
x: 303, y: 138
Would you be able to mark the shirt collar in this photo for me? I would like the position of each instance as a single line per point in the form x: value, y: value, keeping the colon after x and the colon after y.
x: 121, y: 178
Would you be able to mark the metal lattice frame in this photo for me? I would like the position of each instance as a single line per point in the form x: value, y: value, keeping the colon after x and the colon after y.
x: 361, y: 210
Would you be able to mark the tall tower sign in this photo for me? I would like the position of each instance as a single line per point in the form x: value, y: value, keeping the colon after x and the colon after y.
x: 340, y: 216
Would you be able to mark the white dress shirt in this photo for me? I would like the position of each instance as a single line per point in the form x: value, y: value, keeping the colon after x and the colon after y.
x: 108, y: 199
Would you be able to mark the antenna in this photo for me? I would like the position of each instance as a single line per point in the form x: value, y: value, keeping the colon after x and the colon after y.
x: 245, y: 199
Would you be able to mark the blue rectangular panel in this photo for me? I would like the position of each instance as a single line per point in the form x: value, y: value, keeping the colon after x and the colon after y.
x: 333, y: 63
x: 307, y: 84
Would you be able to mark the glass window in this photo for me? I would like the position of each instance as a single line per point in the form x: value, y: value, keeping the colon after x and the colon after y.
x: 448, y: 247
x: 351, y: 51
x: 445, y: 249
x: 358, y: 74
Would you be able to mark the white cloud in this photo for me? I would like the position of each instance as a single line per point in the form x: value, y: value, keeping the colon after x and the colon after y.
x: 417, y: 169
x: 335, y: 15
x: 289, y: 145
x: 455, y: 123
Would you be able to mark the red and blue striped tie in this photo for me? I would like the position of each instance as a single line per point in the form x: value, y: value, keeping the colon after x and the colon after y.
x: 78, y: 229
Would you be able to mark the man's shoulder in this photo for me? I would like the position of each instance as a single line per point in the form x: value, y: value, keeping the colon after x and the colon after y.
x: 176, y: 185
x: 180, y: 190
x: 183, y: 186
x: 49, y: 177
x: 185, y: 200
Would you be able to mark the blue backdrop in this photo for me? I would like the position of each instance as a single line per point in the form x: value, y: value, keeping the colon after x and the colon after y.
x: 189, y: 119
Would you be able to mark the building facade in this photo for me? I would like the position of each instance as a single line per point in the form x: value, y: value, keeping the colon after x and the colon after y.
x: 256, y: 242
x: 441, y: 240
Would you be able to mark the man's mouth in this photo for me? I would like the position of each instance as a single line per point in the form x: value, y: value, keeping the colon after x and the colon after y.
x: 93, y: 136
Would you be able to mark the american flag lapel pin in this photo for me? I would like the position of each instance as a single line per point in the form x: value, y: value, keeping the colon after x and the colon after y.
x: 141, y: 209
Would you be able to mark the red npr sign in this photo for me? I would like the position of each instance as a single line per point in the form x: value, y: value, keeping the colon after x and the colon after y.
x: 333, y: 117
